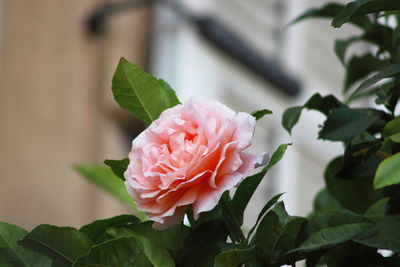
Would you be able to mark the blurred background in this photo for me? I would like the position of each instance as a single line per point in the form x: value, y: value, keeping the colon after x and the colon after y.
x: 57, y: 59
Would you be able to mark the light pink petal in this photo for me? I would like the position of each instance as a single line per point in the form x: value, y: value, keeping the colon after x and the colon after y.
x: 245, y: 124
x: 252, y: 161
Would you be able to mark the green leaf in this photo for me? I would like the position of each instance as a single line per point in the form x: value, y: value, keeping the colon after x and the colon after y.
x: 96, y: 230
x: 108, y: 181
x: 139, y: 92
x: 322, y: 104
x: 13, y: 254
x: 261, y: 113
x: 122, y: 252
x: 246, y: 188
x: 171, y: 238
x: 380, y: 90
x: 236, y: 257
x: 330, y: 10
x: 290, y: 118
x: 155, y: 253
x: 385, y: 234
x: 361, y: 7
x: 324, y: 201
x: 388, y: 172
x: 277, y: 233
x: 343, y: 124
x: 355, y: 194
x: 359, y: 67
x: 118, y: 166
x: 379, y: 208
x: 173, y: 99
x: 392, y: 128
x: 201, y: 247
x: 62, y: 244
x: 267, y: 206
x: 390, y: 71
x: 341, y: 47
x: 395, y: 138
x: 332, y: 236
x: 276, y: 157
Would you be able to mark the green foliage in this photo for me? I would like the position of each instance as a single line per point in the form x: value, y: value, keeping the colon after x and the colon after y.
x: 140, y: 93
x: 358, y: 211
x: 322, y: 104
x: 246, y: 189
x: 388, y: 172
x: 64, y: 245
x: 236, y: 257
x: 106, y: 179
x: 362, y: 7
x: 276, y: 234
x: 13, y: 254
x: 118, y: 166
x: 261, y: 113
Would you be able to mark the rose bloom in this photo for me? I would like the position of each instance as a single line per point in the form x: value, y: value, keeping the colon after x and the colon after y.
x: 191, y: 155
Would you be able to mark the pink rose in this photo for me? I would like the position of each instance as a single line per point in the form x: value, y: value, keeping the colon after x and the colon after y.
x: 190, y: 155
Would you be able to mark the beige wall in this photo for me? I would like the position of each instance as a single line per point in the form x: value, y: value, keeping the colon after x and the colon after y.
x: 55, y: 106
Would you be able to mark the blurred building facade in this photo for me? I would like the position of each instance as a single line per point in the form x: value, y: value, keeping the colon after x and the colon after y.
x: 56, y: 107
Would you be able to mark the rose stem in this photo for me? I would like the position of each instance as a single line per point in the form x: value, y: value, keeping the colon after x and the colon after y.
x: 235, y: 224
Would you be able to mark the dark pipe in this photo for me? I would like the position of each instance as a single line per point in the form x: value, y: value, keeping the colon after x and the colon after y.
x: 229, y: 43
x: 220, y: 37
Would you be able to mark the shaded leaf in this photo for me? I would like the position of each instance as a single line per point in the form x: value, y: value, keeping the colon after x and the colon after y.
x: 139, y: 93
x: 388, y: 172
x: 62, y: 244
x: 171, y: 238
x: 155, y: 253
x: 316, y: 102
x: 277, y: 233
x: 324, y: 201
x: 235, y: 257
x: 344, y: 123
x: 386, y: 73
x: 354, y: 194
x: 333, y: 235
x: 290, y: 118
x: 266, y: 207
x: 330, y: 10
x: 13, y: 254
x: 384, y: 235
x: 323, y: 104
x: 359, y: 67
x: 118, y: 166
x: 379, y: 208
x: 201, y: 247
x: 261, y: 113
x: 341, y: 47
x: 96, y: 230
x: 115, y: 252
x: 361, y: 7
x: 246, y: 188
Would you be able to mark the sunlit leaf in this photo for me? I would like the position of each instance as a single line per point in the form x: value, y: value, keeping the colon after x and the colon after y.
x: 388, y: 172
x: 139, y: 92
